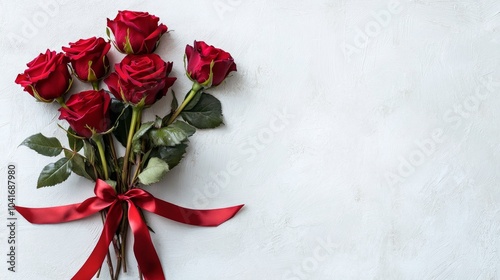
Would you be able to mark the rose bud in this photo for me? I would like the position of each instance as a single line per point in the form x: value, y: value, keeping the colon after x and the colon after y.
x: 202, y: 60
x: 136, y: 32
x: 47, y: 77
x: 87, y: 112
x: 88, y: 58
x: 140, y: 78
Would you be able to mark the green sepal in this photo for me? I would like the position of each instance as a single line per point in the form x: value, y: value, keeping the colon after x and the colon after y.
x: 127, y: 47
x: 208, y: 83
x: 91, y: 76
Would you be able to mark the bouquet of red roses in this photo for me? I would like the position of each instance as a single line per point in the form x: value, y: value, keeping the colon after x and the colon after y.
x: 99, y: 119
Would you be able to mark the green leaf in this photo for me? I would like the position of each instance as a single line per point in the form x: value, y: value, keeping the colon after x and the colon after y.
x: 145, y: 127
x: 89, y: 151
x: 75, y: 144
x: 136, y: 146
x: 207, y: 113
x: 174, y: 105
x: 167, y: 136
x: 194, y: 101
x: 78, y: 165
x: 189, y: 129
x: 45, y: 146
x: 55, y: 173
x: 165, y: 119
x: 136, y: 140
x: 154, y: 171
x: 171, y: 155
x: 93, y: 173
x: 145, y: 158
x: 124, y: 119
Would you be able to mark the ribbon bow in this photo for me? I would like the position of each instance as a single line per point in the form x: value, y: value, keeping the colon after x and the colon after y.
x: 144, y: 251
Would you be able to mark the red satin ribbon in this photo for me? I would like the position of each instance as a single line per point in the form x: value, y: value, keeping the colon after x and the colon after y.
x: 144, y: 251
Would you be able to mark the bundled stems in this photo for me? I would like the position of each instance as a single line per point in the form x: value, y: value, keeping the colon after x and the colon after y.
x: 119, y: 241
x: 123, y: 187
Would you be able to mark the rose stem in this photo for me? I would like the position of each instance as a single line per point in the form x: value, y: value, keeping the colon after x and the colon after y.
x: 136, y: 112
x: 118, y: 266
x: 112, y: 149
x: 98, y: 140
x: 138, y: 156
x: 196, y: 87
x: 95, y: 85
x: 124, y: 238
x: 118, y: 260
x: 61, y: 102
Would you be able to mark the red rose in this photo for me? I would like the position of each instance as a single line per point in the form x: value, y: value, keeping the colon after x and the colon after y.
x: 87, y: 112
x: 88, y: 58
x: 136, y: 32
x: 200, y: 56
x: 47, y: 76
x: 139, y: 77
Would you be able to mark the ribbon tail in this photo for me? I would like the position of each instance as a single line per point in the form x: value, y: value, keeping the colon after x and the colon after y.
x: 210, y: 217
x: 96, y: 258
x: 145, y: 253
x: 65, y: 213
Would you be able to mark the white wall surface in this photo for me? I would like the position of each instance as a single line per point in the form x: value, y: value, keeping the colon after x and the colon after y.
x: 384, y: 163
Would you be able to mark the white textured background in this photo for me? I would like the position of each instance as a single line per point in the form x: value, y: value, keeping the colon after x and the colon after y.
x: 365, y: 136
